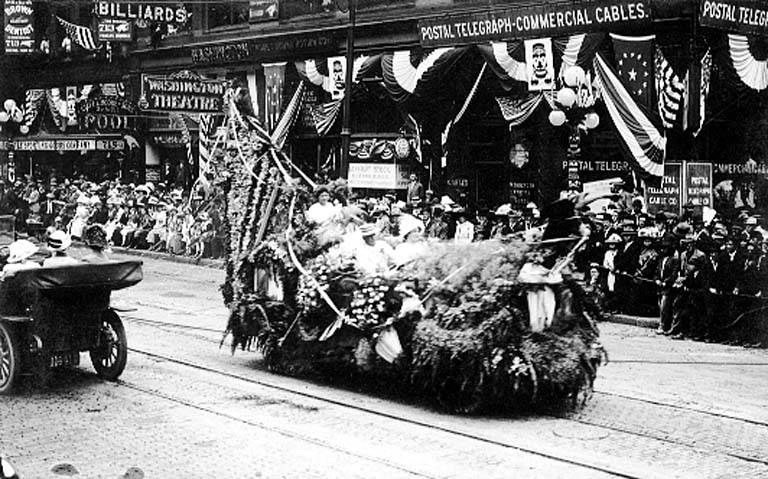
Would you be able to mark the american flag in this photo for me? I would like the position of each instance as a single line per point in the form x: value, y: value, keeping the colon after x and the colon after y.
x: 82, y: 36
x: 205, y: 145
x: 706, y: 75
x: 670, y: 88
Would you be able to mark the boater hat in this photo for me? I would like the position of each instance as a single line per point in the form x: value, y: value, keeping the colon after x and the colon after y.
x: 59, y: 241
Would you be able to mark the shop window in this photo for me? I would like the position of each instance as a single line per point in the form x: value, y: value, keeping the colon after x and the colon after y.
x: 227, y: 14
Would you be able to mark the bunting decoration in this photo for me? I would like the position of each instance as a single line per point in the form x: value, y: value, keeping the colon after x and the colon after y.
x: 753, y: 72
x: 499, y: 57
x: 517, y: 110
x: 205, y: 147
x: 706, y: 78
x: 287, y: 119
x: 697, y: 85
x: 82, y: 36
x: 634, y: 62
x: 274, y: 76
x: 325, y: 116
x: 308, y: 69
x: 578, y: 50
x: 639, y: 136
x: 670, y: 89
x: 32, y: 103
x: 404, y: 73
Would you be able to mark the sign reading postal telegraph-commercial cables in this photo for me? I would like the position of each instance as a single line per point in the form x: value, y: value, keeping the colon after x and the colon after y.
x: 534, y: 21
x: 181, y: 92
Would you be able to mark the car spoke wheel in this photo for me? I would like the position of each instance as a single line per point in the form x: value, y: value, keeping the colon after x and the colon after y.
x: 111, y: 354
x: 9, y: 359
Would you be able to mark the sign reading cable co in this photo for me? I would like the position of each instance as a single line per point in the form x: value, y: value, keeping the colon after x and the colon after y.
x: 184, y: 91
x: 741, y: 16
x: 533, y: 21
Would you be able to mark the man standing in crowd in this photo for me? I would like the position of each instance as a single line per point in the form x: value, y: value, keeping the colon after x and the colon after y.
x: 666, y: 276
x: 415, y: 190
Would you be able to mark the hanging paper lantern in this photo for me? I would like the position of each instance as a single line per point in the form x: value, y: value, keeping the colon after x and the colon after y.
x: 24, y: 129
x: 566, y: 97
x: 402, y: 148
x: 9, y: 105
x: 592, y: 120
x: 574, y: 76
x: 557, y: 117
x: 4, y: 117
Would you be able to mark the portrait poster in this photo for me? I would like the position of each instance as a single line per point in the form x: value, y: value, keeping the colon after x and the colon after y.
x: 539, y: 63
x: 337, y: 70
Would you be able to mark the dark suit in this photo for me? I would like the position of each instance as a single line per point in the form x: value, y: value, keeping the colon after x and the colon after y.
x: 729, y: 270
x: 415, y: 190
x: 666, y: 272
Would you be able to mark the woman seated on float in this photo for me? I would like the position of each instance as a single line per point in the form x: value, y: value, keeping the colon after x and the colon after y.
x: 413, y: 246
x: 323, y: 211
x: 19, y: 253
x: 372, y: 256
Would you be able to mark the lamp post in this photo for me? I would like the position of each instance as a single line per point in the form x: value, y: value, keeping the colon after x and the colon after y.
x: 575, y: 100
x: 346, y: 129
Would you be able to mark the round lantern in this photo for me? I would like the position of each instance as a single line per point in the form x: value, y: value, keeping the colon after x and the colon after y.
x: 402, y: 148
x: 24, y: 129
x: 574, y: 76
x: 566, y: 97
x: 9, y: 105
x: 592, y: 120
x: 557, y: 117
x: 4, y: 117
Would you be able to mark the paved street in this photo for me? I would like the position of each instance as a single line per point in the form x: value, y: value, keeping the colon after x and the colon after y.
x: 187, y: 408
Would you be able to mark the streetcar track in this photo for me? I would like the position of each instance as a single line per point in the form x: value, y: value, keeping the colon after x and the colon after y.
x: 162, y: 324
x: 277, y: 430
x: 476, y: 437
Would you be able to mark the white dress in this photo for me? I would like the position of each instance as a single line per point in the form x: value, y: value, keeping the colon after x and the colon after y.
x: 322, y: 214
x: 465, y: 233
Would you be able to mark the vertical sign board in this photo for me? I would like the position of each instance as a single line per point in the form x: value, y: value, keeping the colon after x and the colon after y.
x: 668, y: 196
x: 18, y: 28
x: 698, y: 184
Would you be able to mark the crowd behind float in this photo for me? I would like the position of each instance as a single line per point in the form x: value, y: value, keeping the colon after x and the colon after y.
x: 697, y: 271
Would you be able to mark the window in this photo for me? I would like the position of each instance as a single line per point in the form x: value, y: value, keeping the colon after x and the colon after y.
x: 224, y: 14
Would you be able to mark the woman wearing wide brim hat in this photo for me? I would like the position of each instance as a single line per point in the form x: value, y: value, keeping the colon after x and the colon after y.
x: 18, y: 258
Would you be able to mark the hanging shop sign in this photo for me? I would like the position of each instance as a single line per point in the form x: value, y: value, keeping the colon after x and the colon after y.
x: 378, y: 176
x: 698, y: 184
x: 668, y: 196
x: 181, y: 92
x: 741, y: 16
x: 264, y: 10
x: 115, y: 30
x: 169, y: 139
x: 104, y: 113
x: 533, y: 21
x: 276, y: 48
x: 521, y: 193
x: 143, y: 11
x: 69, y: 144
x: 18, y: 27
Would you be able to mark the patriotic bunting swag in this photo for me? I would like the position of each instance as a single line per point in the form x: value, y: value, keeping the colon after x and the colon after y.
x: 670, y: 89
x: 753, y: 72
x: 325, y: 116
x: 640, y: 137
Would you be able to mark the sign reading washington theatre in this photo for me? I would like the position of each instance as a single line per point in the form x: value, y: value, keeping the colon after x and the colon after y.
x: 533, y: 21
x: 181, y: 92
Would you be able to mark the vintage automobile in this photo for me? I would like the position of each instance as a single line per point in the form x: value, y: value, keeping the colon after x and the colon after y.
x: 48, y: 316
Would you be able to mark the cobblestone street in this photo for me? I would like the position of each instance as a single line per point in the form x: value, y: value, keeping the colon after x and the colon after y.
x: 186, y: 407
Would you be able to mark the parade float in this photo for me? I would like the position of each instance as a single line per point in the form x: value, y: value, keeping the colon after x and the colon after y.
x: 452, y: 327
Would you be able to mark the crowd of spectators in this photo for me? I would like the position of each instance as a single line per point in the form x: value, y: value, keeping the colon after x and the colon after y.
x: 145, y: 216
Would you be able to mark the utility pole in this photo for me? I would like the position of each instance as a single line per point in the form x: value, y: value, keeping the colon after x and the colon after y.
x: 346, y: 129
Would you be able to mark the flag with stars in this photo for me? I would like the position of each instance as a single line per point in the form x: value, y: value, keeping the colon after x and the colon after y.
x: 634, y: 63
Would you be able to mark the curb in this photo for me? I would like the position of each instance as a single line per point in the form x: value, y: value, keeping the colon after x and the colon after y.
x: 643, y: 322
x: 204, y: 262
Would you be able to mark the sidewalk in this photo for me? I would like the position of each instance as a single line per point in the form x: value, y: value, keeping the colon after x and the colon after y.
x: 641, y: 321
x: 206, y: 262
